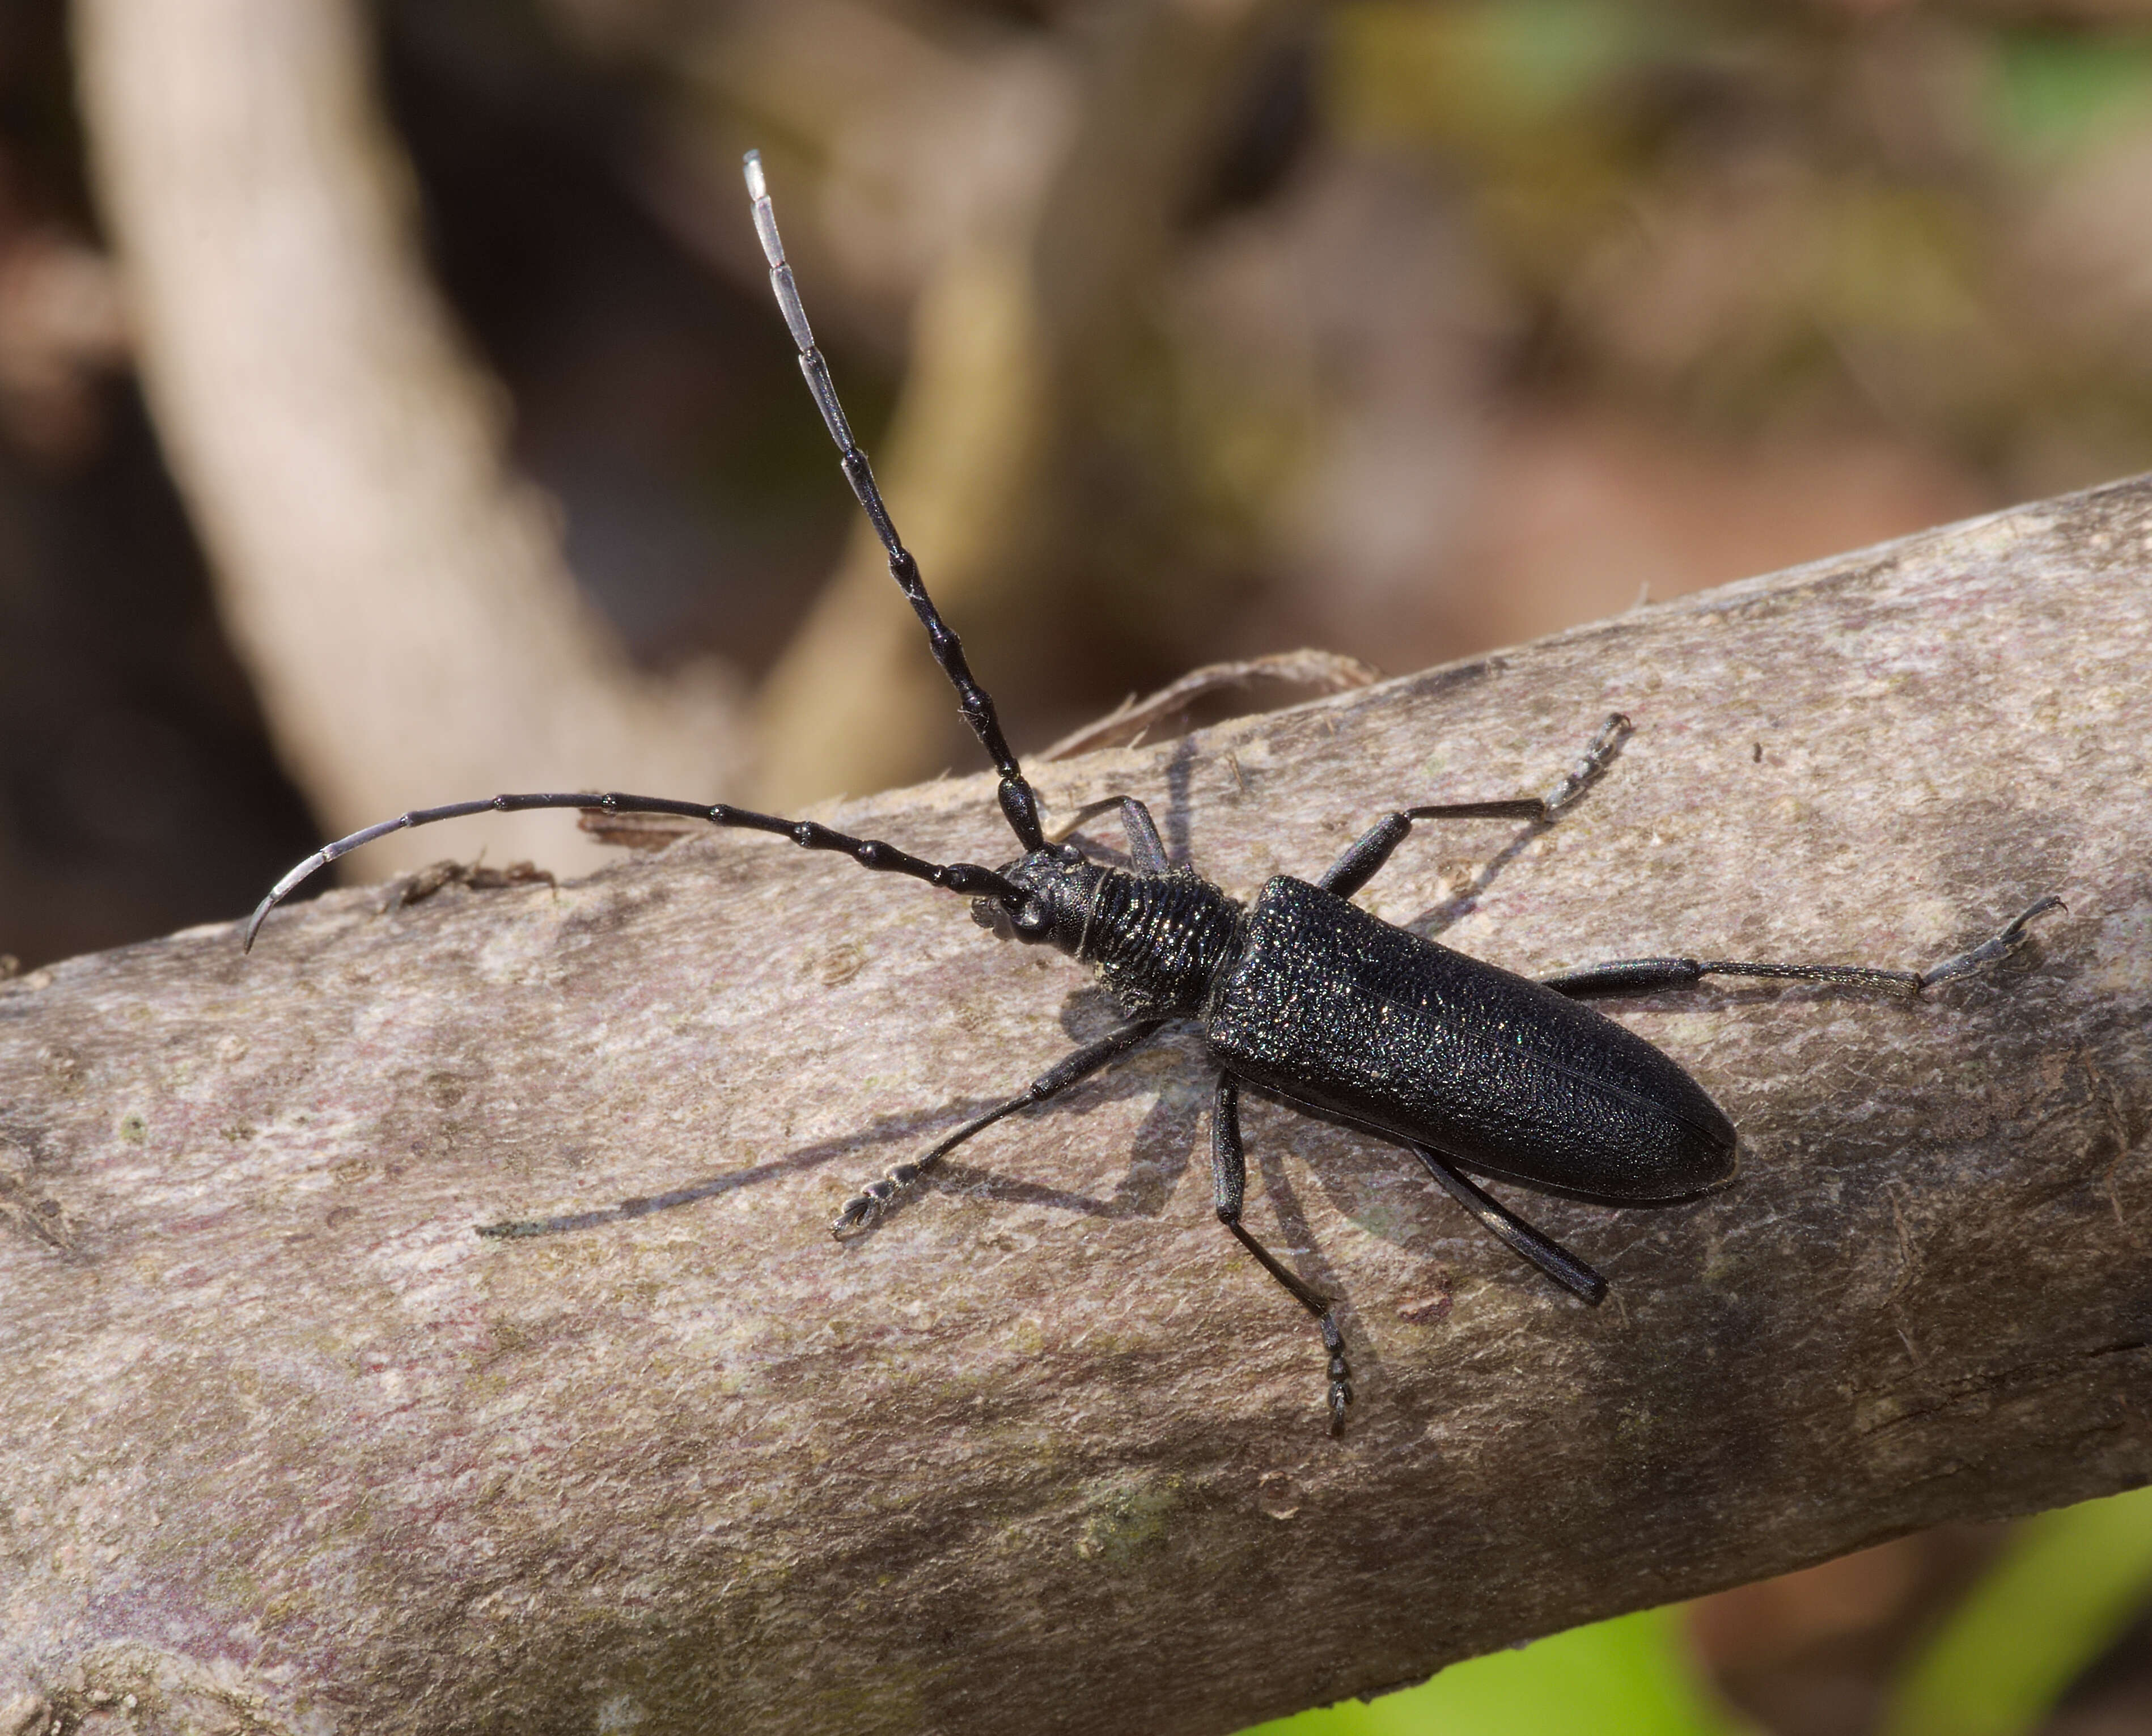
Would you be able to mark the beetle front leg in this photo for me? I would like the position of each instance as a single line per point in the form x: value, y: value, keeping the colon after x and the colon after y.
x: 1146, y: 849
x: 1229, y: 1180
x: 1361, y: 863
x: 867, y: 1205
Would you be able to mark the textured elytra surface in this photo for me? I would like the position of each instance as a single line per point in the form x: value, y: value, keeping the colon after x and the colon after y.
x: 1331, y: 1009
x: 284, y: 1440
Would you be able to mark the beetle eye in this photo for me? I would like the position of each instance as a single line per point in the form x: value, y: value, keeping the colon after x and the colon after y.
x: 1034, y: 921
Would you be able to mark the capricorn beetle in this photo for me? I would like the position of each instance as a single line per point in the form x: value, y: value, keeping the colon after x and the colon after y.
x: 1299, y: 994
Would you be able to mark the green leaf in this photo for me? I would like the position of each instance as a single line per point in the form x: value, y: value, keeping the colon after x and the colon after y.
x: 2059, y: 90
x: 1631, y: 1676
x: 2068, y: 1586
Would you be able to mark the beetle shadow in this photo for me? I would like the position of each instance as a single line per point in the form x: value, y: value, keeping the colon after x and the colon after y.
x: 1300, y: 1250
x: 1159, y: 1154
x: 1465, y: 900
x: 882, y: 1131
x: 1179, y: 765
x: 1089, y: 1012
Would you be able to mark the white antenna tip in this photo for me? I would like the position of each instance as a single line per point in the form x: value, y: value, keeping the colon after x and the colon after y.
x: 757, y: 187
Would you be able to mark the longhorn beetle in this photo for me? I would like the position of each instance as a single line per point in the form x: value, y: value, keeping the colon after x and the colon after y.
x: 1301, y: 993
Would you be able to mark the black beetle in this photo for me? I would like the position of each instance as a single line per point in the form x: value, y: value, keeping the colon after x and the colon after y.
x: 1301, y: 994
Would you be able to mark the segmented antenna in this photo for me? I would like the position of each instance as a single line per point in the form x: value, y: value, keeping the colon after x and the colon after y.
x: 968, y: 878
x: 1019, y: 805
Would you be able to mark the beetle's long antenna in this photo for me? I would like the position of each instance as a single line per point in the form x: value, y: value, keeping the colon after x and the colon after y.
x: 965, y: 877
x: 1019, y: 805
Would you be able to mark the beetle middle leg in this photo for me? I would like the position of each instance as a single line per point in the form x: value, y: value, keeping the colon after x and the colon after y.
x: 1641, y: 976
x: 1229, y: 1179
x: 1362, y: 862
x: 873, y: 1200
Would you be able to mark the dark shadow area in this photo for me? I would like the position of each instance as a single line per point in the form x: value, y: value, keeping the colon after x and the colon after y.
x: 138, y: 793
x: 884, y: 1130
x: 1461, y: 904
x: 655, y: 397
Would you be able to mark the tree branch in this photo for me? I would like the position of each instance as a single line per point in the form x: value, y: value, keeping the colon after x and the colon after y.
x: 286, y: 1441
x: 1015, y: 330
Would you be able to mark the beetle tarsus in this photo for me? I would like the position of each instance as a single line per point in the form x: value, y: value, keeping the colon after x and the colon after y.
x: 864, y: 1207
x: 1589, y: 765
x: 1375, y: 847
x: 1341, y: 1376
x: 2014, y: 934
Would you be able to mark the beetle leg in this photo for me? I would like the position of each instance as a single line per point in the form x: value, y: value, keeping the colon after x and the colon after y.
x: 1641, y: 976
x: 1361, y: 863
x: 1146, y: 849
x: 1549, y: 1256
x: 1229, y: 1180
x: 1145, y: 846
x: 872, y: 1201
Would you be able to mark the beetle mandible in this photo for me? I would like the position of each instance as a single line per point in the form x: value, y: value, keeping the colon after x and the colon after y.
x: 1299, y: 994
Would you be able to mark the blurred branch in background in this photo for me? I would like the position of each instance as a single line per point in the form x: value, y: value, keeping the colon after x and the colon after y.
x: 1054, y: 295
x: 396, y: 593
x: 2010, y: 1656
x: 1025, y: 189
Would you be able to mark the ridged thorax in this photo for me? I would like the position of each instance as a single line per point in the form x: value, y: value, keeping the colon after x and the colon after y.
x: 1157, y: 941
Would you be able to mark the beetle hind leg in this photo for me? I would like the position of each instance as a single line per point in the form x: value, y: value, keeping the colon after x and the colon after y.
x: 1229, y: 1174
x: 1528, y: 1244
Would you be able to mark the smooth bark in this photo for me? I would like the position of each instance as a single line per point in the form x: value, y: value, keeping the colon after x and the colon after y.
x: 284, y: 1439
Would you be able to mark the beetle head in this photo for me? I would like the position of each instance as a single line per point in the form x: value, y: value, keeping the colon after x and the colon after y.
x: 1058, y: 884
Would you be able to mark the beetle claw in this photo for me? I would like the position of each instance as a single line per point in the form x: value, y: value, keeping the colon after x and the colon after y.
x: 858, y: 1211
x: 871, y: 1201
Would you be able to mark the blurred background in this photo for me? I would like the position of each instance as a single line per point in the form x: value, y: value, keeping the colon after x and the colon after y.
x: 393, y: 410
